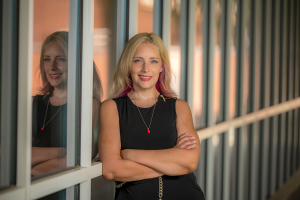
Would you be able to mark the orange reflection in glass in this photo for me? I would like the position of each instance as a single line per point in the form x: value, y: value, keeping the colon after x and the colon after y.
x: 102, y: 41
x: 49, y: 16
x: 217, y: 61
x: 145, y: 16
x: 175, y: 48
x: 198, y: 61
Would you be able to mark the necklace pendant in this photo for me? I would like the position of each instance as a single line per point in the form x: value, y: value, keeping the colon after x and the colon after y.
x: 148, y: 131
x: 42, y: 128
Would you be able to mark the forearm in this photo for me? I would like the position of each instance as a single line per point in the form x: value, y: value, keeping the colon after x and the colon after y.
x: 42, y: 154
x: 170, y: 162
x: 48, y: 166
x: 126, y: 171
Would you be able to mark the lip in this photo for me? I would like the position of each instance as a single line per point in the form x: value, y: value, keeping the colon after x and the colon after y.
x: 145, y: 78
x: 55, y: 76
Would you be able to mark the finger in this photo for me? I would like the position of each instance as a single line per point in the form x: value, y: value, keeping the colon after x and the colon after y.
x: 187, y: 143
x: 191, y: 146
x: 183, y: 135
x: 187, y: 138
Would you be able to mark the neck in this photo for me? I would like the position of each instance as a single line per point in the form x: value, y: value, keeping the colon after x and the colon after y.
x: 60, y: 93
x: 143, y: 95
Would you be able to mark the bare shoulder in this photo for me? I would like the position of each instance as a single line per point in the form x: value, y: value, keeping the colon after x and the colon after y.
x: 182, y: 106
x: 108, y: 107
x: 109, y: 103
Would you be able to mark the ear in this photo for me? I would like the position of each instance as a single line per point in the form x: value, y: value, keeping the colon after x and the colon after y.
x: 162, y: 68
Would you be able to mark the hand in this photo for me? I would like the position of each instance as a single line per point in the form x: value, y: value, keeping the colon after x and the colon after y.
x: 185, y: 142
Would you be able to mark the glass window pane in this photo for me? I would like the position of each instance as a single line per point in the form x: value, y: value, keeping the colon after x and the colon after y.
x: 198, y: 61
x: 217, y: 59
x: 233, y: 59
x: 66, y: 194
x: 175, y: 48
x: 8, y: 91
x: 54, y: 147
x: 102, y: 57
x: 145, y: 16
x: 102, y: 188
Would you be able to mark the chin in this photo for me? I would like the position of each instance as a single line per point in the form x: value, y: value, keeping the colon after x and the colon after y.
x: 55, y: 84
x: 146, y: 86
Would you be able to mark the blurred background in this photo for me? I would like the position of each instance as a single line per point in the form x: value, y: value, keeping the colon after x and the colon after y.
x: 236, y: 63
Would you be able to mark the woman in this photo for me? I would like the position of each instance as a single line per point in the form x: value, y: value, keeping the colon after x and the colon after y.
x: 154, y: 131
x: 49, y: 115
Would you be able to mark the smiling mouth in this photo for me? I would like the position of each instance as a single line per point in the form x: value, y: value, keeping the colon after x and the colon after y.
x: 55, y: 76
x: 145, y: 78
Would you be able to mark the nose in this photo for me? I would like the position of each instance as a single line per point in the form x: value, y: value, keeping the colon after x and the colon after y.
x: 145, y: 67
x: 53, y: 66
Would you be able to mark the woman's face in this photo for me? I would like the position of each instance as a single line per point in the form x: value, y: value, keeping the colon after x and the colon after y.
x: 146, y: 66
x: 55, y: 64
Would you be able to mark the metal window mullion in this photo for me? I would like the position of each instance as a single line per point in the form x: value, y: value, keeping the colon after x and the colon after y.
x: 87, y: 96
x: 25, y: 96
x: 74, y: 44
x: 239, y: 96
x: 72, y: 81
x: 157, y: 17
x: 297, y: 70
x: 222, y: 163
x: 190, y: 52
x: 266, y: 123
x: 202, y: 167
x: 51, y: 184
x: 224, y: 183
x: 183, y: 48
x: 294, y: 135
x: 210, y: 114
x: 254, y: 95
x: 283, y: 83
x: 133, y: 18
x: 166, y: 22
x: 298, y: 66
x: 289, y: 91
x: 275, y: 95
x: 121, y: 30
x: 6, y: 92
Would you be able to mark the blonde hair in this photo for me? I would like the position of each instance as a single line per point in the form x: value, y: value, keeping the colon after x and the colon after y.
x: 122, y: 82
x: 61, y: 37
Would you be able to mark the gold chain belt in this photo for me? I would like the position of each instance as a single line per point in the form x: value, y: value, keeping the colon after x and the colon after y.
x: 160, y: 187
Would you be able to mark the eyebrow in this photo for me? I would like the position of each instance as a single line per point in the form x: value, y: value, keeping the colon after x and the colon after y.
x: 150, y: 58
x: 55, y: 56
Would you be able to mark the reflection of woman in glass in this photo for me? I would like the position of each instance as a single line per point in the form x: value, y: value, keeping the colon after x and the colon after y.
x: 49, y: 116
x: 154, y: 131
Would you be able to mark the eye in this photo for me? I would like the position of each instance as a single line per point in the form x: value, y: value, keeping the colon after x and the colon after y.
x: 153, y: 61
x: 137, y: 61
x: 62, y: 59
x: 46, y: 59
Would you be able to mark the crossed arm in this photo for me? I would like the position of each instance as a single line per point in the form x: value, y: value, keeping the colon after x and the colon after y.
x: 47, y: 159
x: 132, y: 165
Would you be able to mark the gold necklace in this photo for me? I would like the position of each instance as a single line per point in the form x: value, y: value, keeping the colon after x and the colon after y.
x: 43, y: 128
x: 148, y: 128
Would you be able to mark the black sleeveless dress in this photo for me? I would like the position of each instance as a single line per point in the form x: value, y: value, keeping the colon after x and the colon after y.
x: 55, y: 133
x: 163, y: 135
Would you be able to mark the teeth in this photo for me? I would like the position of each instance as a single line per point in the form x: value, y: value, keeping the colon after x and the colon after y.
x: 55, y: 75
x: 145, y: 76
